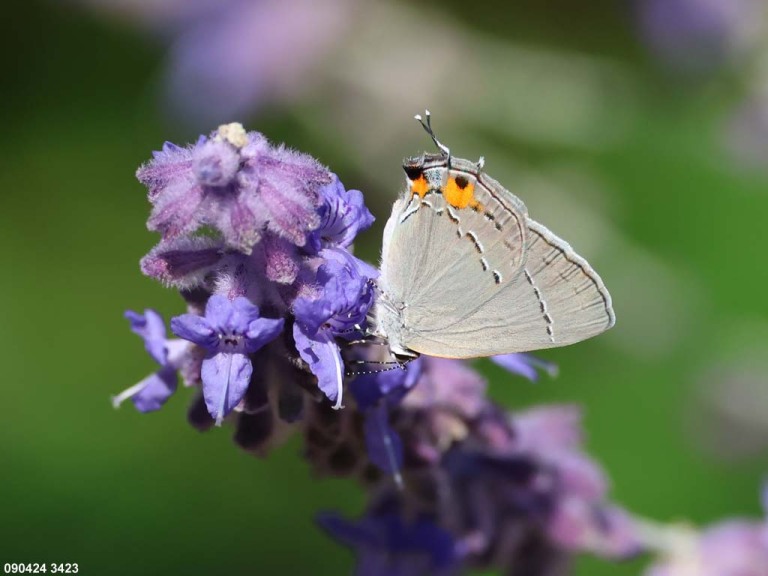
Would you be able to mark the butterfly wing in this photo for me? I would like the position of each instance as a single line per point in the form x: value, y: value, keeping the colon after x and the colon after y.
x: 554, y: 299
x: 435, y: 267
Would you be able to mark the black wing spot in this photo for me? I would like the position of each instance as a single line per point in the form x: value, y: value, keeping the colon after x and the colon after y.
x: 474, y: 239
x: 491, y: 218
x: 413, y: 172
x: 462, y: 182
x: 542, y: 306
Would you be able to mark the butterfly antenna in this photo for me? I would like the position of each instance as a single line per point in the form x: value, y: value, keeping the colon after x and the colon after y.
x: 427, y: 125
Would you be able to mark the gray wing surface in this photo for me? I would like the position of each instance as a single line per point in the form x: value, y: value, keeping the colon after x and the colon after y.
x: 553, y: 298
x: 437, y: 263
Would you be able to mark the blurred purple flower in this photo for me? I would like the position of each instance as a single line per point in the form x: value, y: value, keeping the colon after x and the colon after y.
x: 228, y: 58
x: 387, y: 545
x: 388, y: 385
x: 231, y: 60
x: 237, y: 183
x: 524, y: 365
x: 382, y: 444
x: 581, y: 519
x: 549, y: 430
x: 732, y: 548
x: 377, y: 391
x: 152, y: 392
x: 229, y: 332
x: 700, y: 35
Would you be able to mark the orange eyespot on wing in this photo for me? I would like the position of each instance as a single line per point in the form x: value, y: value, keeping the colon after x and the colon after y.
x: 460, y: 193
x: 420, y: 186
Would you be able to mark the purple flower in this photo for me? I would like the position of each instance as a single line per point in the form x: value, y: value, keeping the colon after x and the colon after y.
x: 234, y: 58
x: 376, y: 391
x: 152, y: 392
x: 387, y: 545
x: 525, y: 365
x: 229, y: 332
x: 382, y: 444
x: 581, y: 518
x: 732, y: 548
x: 236, y: 183
x: 607, y: 531
x: 343, y: 215
x: 549, y: 430
x: 449, y: 385
x: 337, y: 306
x: 700, y: 35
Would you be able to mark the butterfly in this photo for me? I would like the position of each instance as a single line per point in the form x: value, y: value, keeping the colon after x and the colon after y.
x: 466, y: 272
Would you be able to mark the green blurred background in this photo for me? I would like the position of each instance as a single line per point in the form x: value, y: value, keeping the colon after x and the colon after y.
x: 620, y: 155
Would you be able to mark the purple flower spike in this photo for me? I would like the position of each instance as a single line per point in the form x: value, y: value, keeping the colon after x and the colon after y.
x: 229, y: 332
x: 152, y: 392
x: 237, y: 183
x: 525, y: 365
x: 343, y: 215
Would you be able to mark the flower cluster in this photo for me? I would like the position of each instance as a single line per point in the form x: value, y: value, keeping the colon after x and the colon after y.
x: 476, y: 487
x: 258, y: 241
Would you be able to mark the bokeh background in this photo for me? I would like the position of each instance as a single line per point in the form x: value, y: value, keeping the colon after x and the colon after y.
x: 637, y: 130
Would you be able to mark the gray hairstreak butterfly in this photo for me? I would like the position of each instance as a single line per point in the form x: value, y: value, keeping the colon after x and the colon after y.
x: 466, y: 273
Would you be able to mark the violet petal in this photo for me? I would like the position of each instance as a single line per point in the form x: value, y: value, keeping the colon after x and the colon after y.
x: 322, y: 354
x: 262, y: 331
x: 196, y: 329
x: 156, y: 390
x: 225, y: 380
x: 151, y: 328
